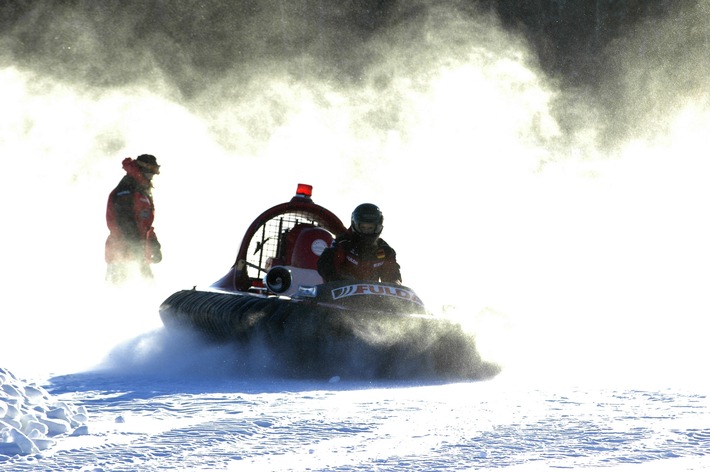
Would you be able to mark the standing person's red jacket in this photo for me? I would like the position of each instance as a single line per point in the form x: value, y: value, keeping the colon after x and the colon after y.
x: 132, y: 244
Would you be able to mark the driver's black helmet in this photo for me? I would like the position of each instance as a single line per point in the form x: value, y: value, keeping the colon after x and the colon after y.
x: 367, y: 213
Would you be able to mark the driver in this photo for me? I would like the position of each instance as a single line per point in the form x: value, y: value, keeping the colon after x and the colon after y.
x: 360, y: 253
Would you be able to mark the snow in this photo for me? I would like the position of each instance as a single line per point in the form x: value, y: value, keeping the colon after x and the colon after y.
x: 157, y: 399
x: 30, y: 417
x: 133, y: 422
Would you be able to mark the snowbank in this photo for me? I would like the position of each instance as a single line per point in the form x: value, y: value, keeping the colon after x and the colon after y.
x: 30, y: 418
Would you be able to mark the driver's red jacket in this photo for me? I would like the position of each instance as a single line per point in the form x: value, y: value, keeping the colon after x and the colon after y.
x: 348, y: 257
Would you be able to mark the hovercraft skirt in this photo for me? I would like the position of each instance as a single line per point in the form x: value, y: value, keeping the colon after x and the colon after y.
x: 312, y: 340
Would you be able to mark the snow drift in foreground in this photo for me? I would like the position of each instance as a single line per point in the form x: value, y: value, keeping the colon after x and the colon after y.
x: 30, y: 418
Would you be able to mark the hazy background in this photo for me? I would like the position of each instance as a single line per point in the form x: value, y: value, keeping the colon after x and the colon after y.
x: 542, y: 168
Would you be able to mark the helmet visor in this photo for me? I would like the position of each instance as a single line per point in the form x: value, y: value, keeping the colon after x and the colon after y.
x: 367, y: 228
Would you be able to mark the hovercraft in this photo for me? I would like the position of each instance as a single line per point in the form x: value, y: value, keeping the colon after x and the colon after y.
x: 274, y: 300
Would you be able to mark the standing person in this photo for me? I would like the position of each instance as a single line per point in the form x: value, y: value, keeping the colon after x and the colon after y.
x: 360, y: 253
x: 132, y: 244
